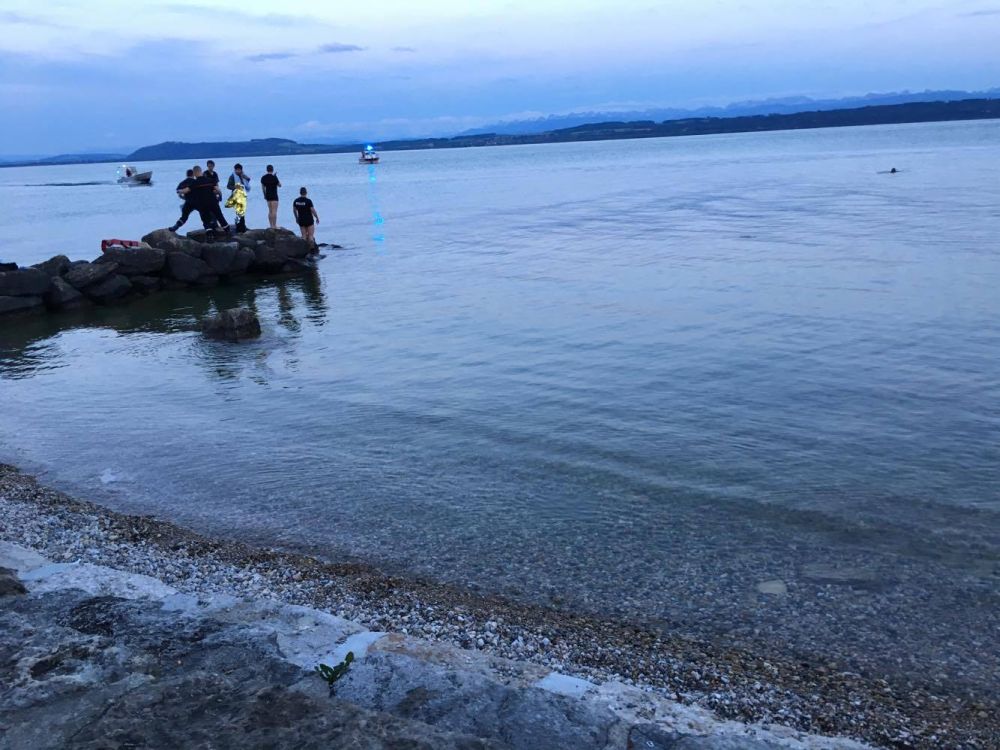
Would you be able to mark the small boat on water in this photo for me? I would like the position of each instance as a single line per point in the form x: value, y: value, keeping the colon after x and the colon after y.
x: 129, y: 175
x: 368, y: 156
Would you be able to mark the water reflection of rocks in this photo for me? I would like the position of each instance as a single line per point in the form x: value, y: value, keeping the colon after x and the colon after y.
x: 27, y: 345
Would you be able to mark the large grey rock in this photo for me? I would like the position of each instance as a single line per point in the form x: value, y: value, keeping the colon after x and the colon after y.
x: 235, y: 324
x: 242, y: 261
x: 82, y: 275
x: 146, y: 284
x: 136, y: 261
x: 8, y: 267
x: 170, y: 242
x: 110, y: 289
x: 292, y: 246
x: 57, y: 265
x: 20, y: 304
x: 93, y: 673
x: 158, y: 236
x: 10, y: 584
x: 24, y: 282
x: 186, y: 268
x: 220, y: 256
x: 267, y: 259
x: 63, y: 296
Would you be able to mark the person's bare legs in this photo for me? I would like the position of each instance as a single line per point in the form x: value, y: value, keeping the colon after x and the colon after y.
x: 272, y: 214
x: 311, y: 231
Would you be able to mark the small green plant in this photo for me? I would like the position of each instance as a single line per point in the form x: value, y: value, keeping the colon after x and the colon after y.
x: 332, y: 674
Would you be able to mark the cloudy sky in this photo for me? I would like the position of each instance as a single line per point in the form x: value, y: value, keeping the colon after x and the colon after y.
x: 117, y: 73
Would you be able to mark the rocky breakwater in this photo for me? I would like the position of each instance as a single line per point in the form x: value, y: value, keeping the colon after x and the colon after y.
x: 163, y: 260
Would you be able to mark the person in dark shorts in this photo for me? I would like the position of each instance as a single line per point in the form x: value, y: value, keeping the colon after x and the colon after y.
x: 184, y: 192
x: 306, y: 216
x: 271, y: 183
x: 212, y: 176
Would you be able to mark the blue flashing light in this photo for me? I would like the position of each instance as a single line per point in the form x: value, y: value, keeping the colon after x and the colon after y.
x: 369, y: 148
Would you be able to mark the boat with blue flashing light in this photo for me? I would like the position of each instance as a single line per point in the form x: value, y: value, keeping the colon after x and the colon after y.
x: 368, y: 156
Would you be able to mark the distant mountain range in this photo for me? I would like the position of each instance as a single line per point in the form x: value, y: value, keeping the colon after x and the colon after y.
x: 782, y: 106
x: 877, y: 114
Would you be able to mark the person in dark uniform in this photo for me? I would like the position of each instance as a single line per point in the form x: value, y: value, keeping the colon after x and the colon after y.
x: 184, y: 192
x: 306, y: 217
x: 271, y: 183
x: 211, y: 175
x: 204, y: 199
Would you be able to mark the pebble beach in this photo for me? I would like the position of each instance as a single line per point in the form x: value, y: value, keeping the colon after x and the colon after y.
x: 741, y: 680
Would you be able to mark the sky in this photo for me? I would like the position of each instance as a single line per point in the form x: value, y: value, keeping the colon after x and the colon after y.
x: 111, y: 74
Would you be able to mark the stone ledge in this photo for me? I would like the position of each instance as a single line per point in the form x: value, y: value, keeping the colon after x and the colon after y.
x: 96, y: 653
x: 163, y: 260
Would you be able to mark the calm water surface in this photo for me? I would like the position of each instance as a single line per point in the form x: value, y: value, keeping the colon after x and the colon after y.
x: 637, y: 377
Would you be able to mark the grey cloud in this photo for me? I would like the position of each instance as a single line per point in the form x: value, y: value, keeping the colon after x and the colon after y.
x: 336, y: 47
x: 224, y: 14
x: 983, y: 12
x: 403, y: 49
x: 17, y: 18
x: 265, y: 56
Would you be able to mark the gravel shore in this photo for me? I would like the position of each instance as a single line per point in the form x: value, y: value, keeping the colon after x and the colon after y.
x: 805, y: 692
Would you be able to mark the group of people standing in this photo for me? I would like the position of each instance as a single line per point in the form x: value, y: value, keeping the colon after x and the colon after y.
x: 200, y: 192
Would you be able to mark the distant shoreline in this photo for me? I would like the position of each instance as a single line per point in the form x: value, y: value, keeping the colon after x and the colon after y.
x: 966, y: 110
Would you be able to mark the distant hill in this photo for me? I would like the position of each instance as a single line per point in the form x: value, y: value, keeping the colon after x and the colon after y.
x: 886, y: 114
x: 780, y: 106
x: 222, y: 149
x: 972, y: 109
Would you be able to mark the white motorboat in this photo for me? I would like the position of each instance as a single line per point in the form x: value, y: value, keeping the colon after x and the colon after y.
x: 129, y: 175
x: 368, y: 156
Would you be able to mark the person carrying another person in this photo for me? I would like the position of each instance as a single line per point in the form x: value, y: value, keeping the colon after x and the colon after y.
x: 271, y: 183
x: 306, y: 217
x: 239, y: 179
x: 205, y: 197
x: 184, y: 193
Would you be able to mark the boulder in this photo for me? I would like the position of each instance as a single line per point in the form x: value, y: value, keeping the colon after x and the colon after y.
x: 84, y: 274
x: 8, y: 267
x: 168, y: 241
x: 267, y: 259
x: 57, y: 265
x: 235, y: 324
x: 20, y: 304
x: 220, y: 256
x: 136, y: 261
x: 242, y: 261
x: 114, y: 287
x: 293, y: 247
x: 145, y: 284
x: 157, y: 236
x: 208, y: 280
x: 62, y: 296
x: 186, y: 268
x: 243, y: 241
x: 24, y: 282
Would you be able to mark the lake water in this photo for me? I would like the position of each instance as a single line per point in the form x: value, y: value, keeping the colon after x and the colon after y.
x: 633, y: 377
